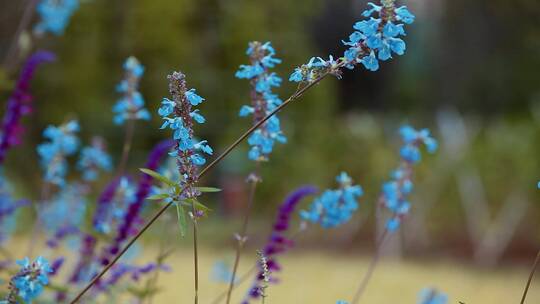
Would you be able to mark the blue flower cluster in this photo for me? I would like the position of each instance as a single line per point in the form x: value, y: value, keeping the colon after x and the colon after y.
x: 377, y: 38
x: 94, y: 158
x: 131, y: 105
x: 28, y: 283
x: 373, y: 40
x: 342, y: 302
x: 66, y: 209
x: 263, y: 100
x: 432, y: 296
x: 55, y: 15
x: 334, y: 207
x: 62, y: 142
x: 178, y: 115
x: 395, y: 192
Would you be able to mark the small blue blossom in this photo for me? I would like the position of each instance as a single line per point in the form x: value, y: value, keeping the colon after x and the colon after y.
x: 28, y: 283
x: 263, y: 100
x: 94, y: 158
x: 55, y: 15
x: 334, y: 207
x: 395, y: 192
x: 432, y: 296
x: 179, y: 116
x: 342, y: 302
x: 131, y: 104
x: 315, y: 68
x: 62, y: 142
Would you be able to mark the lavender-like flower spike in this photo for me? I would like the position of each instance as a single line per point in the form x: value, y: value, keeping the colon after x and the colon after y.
x: 62, y: 142
x: 334, y: 207
x: 374, y: 39
x: 131, y: 105
x: 29, y: 281
x: 113, y: 204
x: 94, y: 158
x: 263, y: 101
x: 19, y: 103
x: 179, y: 117
x: 432, y: 296
x: 278, y: 243
x: 394, y: 193
x: 55, y: 15
x: 127, y: 224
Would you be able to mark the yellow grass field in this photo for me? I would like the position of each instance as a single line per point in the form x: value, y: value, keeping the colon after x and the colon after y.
x: 311, y: 277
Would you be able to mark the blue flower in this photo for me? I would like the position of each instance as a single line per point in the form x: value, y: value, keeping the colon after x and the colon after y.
x: 264, y: 101
x: 61, y: 143
x: 432, y: 296
x: 334, y: 207
x: 395, y: 192
x: 342, y: 302
x: 28, y: 283
x: 131, y: 104
x: 55, y: 15
x: 221, y: 272
x: 370, y: 62
x: 178, y: 115
x: 94, y: 158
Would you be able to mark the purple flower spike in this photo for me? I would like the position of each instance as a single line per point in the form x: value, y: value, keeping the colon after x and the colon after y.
x: 130, y: 220
x: 278, y: 243
x: 19, y: 104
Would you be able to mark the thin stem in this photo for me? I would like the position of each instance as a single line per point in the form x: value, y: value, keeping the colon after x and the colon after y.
x: 195, y: 252
x: 371, y: 268
x: 533, y: 270
x: 293, y: 97
x: 242, y: 238
x: 128, y: 139
x: 23, y: 24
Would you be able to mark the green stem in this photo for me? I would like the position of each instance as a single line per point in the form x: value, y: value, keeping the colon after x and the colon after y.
x: 533, y: 270
x: 128, y: 139
x: 195, y: 253
x: 293, y: 97
x: 241, y: 237
x: 9, y: 61
x: 371, y: 268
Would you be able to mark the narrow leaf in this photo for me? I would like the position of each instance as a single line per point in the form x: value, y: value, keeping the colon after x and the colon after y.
x: 208, y: 189
x: 158, y: 176
x: 182, y: 222
x: 157, y: 197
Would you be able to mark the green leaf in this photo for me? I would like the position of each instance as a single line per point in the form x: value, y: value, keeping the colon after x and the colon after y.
x: 197, y: 204
x: 208, y: 189
x: 158, y: 197
x: 182, y: 222
x: 158, y: 176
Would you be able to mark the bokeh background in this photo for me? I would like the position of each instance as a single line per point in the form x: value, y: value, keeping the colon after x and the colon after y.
x: 470, y: 74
